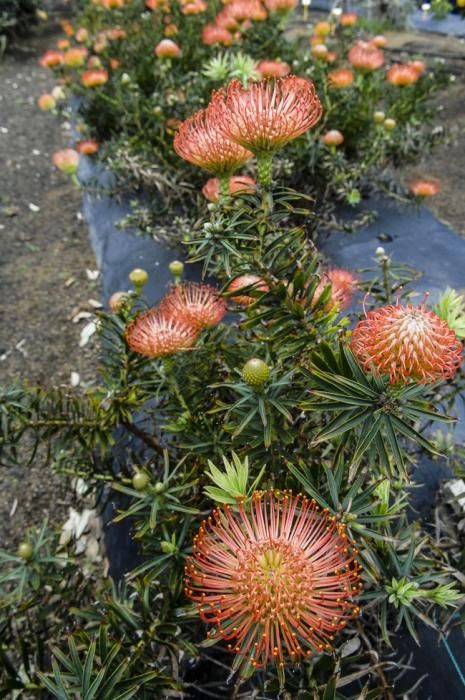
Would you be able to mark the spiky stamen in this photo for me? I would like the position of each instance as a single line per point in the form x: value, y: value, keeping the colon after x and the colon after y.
x: 277, y: 580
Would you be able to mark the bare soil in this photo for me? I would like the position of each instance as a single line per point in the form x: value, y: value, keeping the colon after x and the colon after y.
x: 43, y: 259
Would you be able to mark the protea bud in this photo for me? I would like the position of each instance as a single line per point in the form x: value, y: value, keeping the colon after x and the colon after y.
x: 255, y: 372
x: 138, y: 277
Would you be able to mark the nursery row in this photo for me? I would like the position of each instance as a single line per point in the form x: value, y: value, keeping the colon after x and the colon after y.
x: 257, y: 429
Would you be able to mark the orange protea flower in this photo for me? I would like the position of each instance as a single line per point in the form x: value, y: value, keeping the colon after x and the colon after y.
x: 281, y: 7
x: 402, y: 75
x: 87, y: 147
x: 273, y: 69
x: 200, y: 142
x: 407, y: 343
x: 194, y: 8
x: 226, y: 20
x: 94, y: 77
x: 348, y: 19
x: 115, y: 33
x: 167, y: 48
x: 154, y: 335
x: 238, y: 184
x: 322, y: 29
x: 63, y: 44
x: 213, y: 34
x: 265, y: 116
x: 424, y: 188
x: 419, y: 66
x: 343, y: 284
x: 333, y: 138
x: 340, y: 77
x: 199, y: 305
x: 82, y: 35
x: 66, y: 160
x: 251, y: 283
x: 379, y: 41
x: 51, y: 59
x: 365, y: 57
x: 94, y: 62
x: 319, y: 51
x: 170, y: 29
x: 67, y: 27
x: 242, y: 10
x: 276, y: 579
x: 46, y: 102
x: 75, y: 58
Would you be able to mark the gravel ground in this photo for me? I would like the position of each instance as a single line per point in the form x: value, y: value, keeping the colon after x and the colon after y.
x: 43, y: 280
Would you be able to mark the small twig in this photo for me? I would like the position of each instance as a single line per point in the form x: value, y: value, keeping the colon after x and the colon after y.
x: 145, y: 437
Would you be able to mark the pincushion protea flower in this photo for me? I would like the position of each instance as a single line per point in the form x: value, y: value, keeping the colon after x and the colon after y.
x: 66, y: 160
x: 266, y: 115
x: 154, y: 335
x: 402, y: 74
x: 212, y: 34
x: 333, y: 137
x: 254, y: 282
x: 348, y: 19
x: 200, y: 141
x: 277, y: 580
x: 281, y: 7
x: 94, y: 77
x: 408, y: 343
x: 365, y: 57
x: 273, y: 69
x: 196, y: 304
x: 51, y: 59
x: 340, y: 77
x: 75, y: 57
x: 424, y: 188
x: 343, y: 283
x: 238, y: 184
x: 167, y: 48
x: 88, y: 147
x: 46, y: 102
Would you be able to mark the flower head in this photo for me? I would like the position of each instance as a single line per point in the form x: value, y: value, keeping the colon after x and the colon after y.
x: 167, y: 48
x: 266, y: 115
x: 424, y: 188
x: 365, y: 57
x: 82, y: 35
x: 75, y: 58
x: 200, y: 141
x: 322, y: 29
x: 88, y: 147
x: 94, y: 77
x: 46, y: 102
x: 408, y: 343
x: 379, y: 41
x: 340, y: 78
x: 276, y: 579
x: 194, y: 8
x: 273, y: 69
x: 51, y: 59
x: 343, y: 284
x: 213, y: 34
x: 402, y: 74
x: 419, y: 66
x: 281, y: 7
x: 333, y: 137
x: 251, y: 283
x: 319, y: 51
x: 348, y: 19
x: 66, y: 160
x: 196, y: 304
x: 154, y: 335
x: 238, y: 184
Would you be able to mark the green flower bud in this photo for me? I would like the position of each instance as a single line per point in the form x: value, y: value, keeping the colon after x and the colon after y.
x: 140, y: 480
x: 379, y: 117
x: 138, y: 277
x: 389, y: 124
x: 176, y: 268
x: 25, y: 550
x: 255, y: 372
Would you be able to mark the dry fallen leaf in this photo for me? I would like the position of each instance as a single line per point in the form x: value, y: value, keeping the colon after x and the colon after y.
x: 87, y: 332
